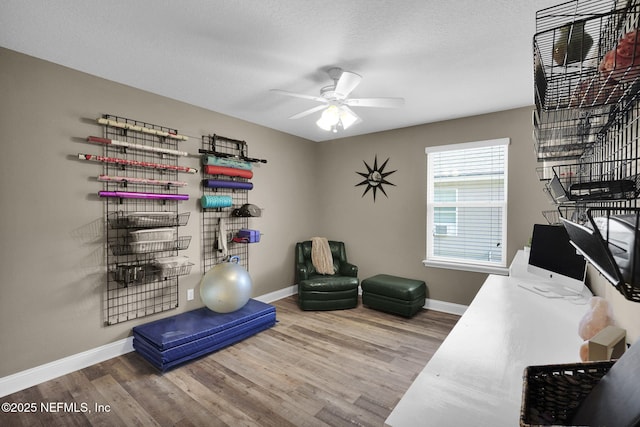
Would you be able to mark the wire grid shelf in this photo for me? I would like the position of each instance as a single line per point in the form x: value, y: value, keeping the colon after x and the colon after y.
x: 121, y: 246
x: 607, y: 180
x: 576, y: 213
x: 132, y: 302
x: 567, y: 134
x: 219, y: 225
x: 134, y: 286
x: 137, y: 274
x: 158, y: 219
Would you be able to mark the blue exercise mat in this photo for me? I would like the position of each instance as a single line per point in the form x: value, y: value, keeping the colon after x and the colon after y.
x: 168, y: 342
x: 180, y: 328
x: 208, y: 341
x: 163, y: 365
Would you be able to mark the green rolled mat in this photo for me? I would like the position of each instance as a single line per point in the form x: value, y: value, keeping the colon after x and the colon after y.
x: 226, y: 161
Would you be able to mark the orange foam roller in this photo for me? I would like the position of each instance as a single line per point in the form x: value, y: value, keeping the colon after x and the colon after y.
x: 223, y: 170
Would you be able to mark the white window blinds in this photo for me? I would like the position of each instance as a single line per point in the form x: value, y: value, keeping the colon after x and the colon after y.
x: 467, y: 205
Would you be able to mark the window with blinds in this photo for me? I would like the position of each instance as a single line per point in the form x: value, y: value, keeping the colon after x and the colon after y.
x: 467, y: 205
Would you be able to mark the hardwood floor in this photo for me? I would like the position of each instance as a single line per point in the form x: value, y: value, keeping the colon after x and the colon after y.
x: 333, y: 368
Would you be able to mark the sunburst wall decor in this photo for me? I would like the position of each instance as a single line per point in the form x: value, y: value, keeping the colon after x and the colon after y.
x: 375, y: 178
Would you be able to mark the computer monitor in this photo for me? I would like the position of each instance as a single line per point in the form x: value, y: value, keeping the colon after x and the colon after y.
x: 555, y: 259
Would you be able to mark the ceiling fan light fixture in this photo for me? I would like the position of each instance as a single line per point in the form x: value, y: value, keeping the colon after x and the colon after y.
x: 347, y: 118
x: 322, y: 124
x: 331, y: 115
x: 329, y: 118
x: 336, y: 114
x: 334, y: 117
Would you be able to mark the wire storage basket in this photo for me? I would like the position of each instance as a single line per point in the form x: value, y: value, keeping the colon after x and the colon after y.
x: 552, y: 393
x: 585, y: 71
x: 575, y: 212
x: 568, y: 133
x: 607, y: 180
x: 120, y: 219
x: 570, y: 43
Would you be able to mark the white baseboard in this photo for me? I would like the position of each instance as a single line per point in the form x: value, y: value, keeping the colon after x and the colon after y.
x: 279, y: 294
x: 48, y: 371
x: 445, y: 307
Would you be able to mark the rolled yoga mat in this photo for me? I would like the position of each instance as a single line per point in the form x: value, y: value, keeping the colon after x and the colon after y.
x: 123, y: 125
x: 126, y: 162
x: 220, y: 183
x: 136, y: 195
x: 142, y: 147
x: 225, y: 161
x: 216, y: 201
x: 223, y: 170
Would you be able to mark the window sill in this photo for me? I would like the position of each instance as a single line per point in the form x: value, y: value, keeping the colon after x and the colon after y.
x: 502, y: 271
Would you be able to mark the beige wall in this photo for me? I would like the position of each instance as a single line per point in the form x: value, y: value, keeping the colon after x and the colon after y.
x: 52, y: 259
x: 388, y: 236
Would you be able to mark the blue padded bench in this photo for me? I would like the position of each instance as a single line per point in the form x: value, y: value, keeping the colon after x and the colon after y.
x: 174, y: 340
x: 393, y: 294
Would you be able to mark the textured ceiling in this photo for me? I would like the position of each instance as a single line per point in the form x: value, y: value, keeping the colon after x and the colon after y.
x: 447, y: 59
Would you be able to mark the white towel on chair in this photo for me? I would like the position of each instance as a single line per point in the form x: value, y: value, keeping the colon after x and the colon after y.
x: 321, y: 255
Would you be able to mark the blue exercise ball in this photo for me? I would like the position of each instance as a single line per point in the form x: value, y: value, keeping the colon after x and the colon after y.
x: 226, y: 287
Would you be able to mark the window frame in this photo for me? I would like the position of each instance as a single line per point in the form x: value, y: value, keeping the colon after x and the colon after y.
x: 455, y: 263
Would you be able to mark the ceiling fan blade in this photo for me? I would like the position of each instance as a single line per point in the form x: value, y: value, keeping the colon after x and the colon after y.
x: 307, y: 112
x: 375, y: 102
x: 346, y: 83
x: 345, y: 108
x: 300, y: 95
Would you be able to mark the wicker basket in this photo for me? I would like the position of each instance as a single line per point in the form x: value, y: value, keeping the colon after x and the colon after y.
x: 552, y: 393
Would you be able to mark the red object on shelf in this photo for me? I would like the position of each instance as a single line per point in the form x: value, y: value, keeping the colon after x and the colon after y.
x: 622, y: 63
x: 224, y: 170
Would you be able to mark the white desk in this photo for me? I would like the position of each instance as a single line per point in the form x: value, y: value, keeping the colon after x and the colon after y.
x: 475, y: 377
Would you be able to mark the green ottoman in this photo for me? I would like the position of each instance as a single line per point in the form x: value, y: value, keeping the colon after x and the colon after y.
x: 394, y: 294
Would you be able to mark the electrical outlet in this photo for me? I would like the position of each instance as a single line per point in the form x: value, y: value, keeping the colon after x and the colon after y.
x: 190, y: 294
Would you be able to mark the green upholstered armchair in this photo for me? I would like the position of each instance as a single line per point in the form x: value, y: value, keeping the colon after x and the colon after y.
x: 324, y: 291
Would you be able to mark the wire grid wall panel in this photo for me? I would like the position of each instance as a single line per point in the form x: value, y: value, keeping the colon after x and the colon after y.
x: 136, y: 287
x: 587, y: 117
x: 621, y: 144
x: 620, y: 148
x: 219, y: 225
x: 576, y: 103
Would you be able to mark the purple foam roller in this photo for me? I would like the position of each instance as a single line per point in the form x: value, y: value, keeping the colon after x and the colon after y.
x: 221, y: 183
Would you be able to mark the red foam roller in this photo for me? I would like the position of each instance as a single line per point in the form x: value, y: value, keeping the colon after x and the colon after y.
x: 223, y: 170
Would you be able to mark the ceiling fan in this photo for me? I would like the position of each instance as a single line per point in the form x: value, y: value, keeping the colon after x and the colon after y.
x: 335, y: 101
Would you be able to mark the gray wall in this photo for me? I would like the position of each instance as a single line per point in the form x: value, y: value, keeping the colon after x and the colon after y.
x: 51, y: 229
